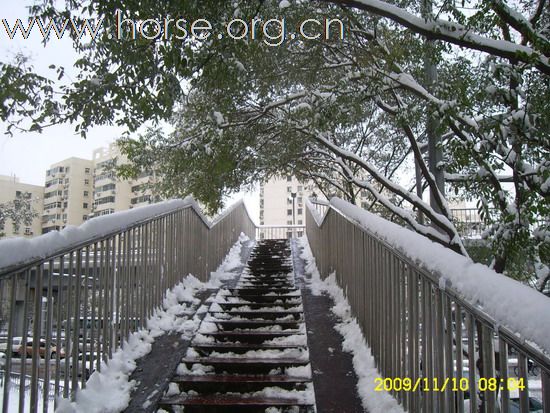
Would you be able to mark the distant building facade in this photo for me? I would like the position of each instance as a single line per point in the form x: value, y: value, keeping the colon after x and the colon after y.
x: 111, y: 194
x: 67, y: 194
x: 11, y: 189
x: 77, y: 189
x: 282, y: 201
x: 278, y: 208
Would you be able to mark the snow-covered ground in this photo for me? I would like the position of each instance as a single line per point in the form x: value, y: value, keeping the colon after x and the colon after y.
x: 353, y: 339
x: 13, y: 399
x: 109, y: 391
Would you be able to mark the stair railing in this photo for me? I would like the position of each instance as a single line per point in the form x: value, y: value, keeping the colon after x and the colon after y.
x: 71, y: 298
x: 438, y: 351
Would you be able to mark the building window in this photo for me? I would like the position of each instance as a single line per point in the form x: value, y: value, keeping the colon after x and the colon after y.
x: 86, y: 193
x: 105, y: 212
x: 86, y: 170
x: 300, y: 222
x: 289, y: 222
x: 141, y: 199
x: 300, y: 199
x: 289, y: 201
x: 289, y: 178
x: 289, y: 189
x: 300, y: 188
x: 66, y: 180
x: 104, y: 200
x: 300, y: 211
x: 289, y: 211
x: 86, y: 182
x: 85, y: 205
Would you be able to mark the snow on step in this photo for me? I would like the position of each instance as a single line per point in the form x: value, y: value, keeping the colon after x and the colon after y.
x: 250, y: 352
x: 236, y: 347
x: 225, y: 378
x: 237, y: 400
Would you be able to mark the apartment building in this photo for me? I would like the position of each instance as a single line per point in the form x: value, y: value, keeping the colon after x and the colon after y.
x: 67, y: 194
x: 11, y: 190
x: 282, y: 201
x: 111, y: 194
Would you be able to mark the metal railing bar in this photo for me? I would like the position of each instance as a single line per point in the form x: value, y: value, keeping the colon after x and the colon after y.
x: 533, y: 352
x: 68, y: 328
x: 97, y: 293
x: 85, y: 321
x: 56, y: 254
x: 24, y: 340
x: 22, y: 266
x: 58, y: 331
x: 36, y: 337
x: 94, y: 350
x: 76, y: 315
x: 503, y: 370
x: 523, y: 395
x: 9, y: 348
x: 459, y: 357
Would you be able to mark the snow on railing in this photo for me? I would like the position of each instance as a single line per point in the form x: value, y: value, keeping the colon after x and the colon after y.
x: 97, y: 284
x: 429, y: 313
x: 18, y: 251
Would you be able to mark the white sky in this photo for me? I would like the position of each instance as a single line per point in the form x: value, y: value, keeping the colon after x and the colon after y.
x: 29, y: 155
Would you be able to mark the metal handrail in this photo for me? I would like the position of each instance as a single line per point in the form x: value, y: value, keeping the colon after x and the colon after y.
x: 411, y: 321
x: 20, y: 266
x: 279, y: 231
x: 92, y: 295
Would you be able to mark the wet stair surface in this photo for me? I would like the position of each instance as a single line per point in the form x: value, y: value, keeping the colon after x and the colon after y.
x: 250, y: 353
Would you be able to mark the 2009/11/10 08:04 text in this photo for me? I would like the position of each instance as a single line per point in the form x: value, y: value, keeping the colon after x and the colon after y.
x: 453, y: 384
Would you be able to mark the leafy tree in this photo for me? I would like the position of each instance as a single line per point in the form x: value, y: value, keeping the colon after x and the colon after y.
x: 244, y: 110
x: 19, y: 212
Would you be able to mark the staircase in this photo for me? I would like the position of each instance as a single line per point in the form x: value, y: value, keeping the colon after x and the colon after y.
x: 250, y: 353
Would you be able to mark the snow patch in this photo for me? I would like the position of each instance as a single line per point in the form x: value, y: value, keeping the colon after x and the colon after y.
x: 354, y: 341
x: 284, y: 4
x: 109, y: 391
